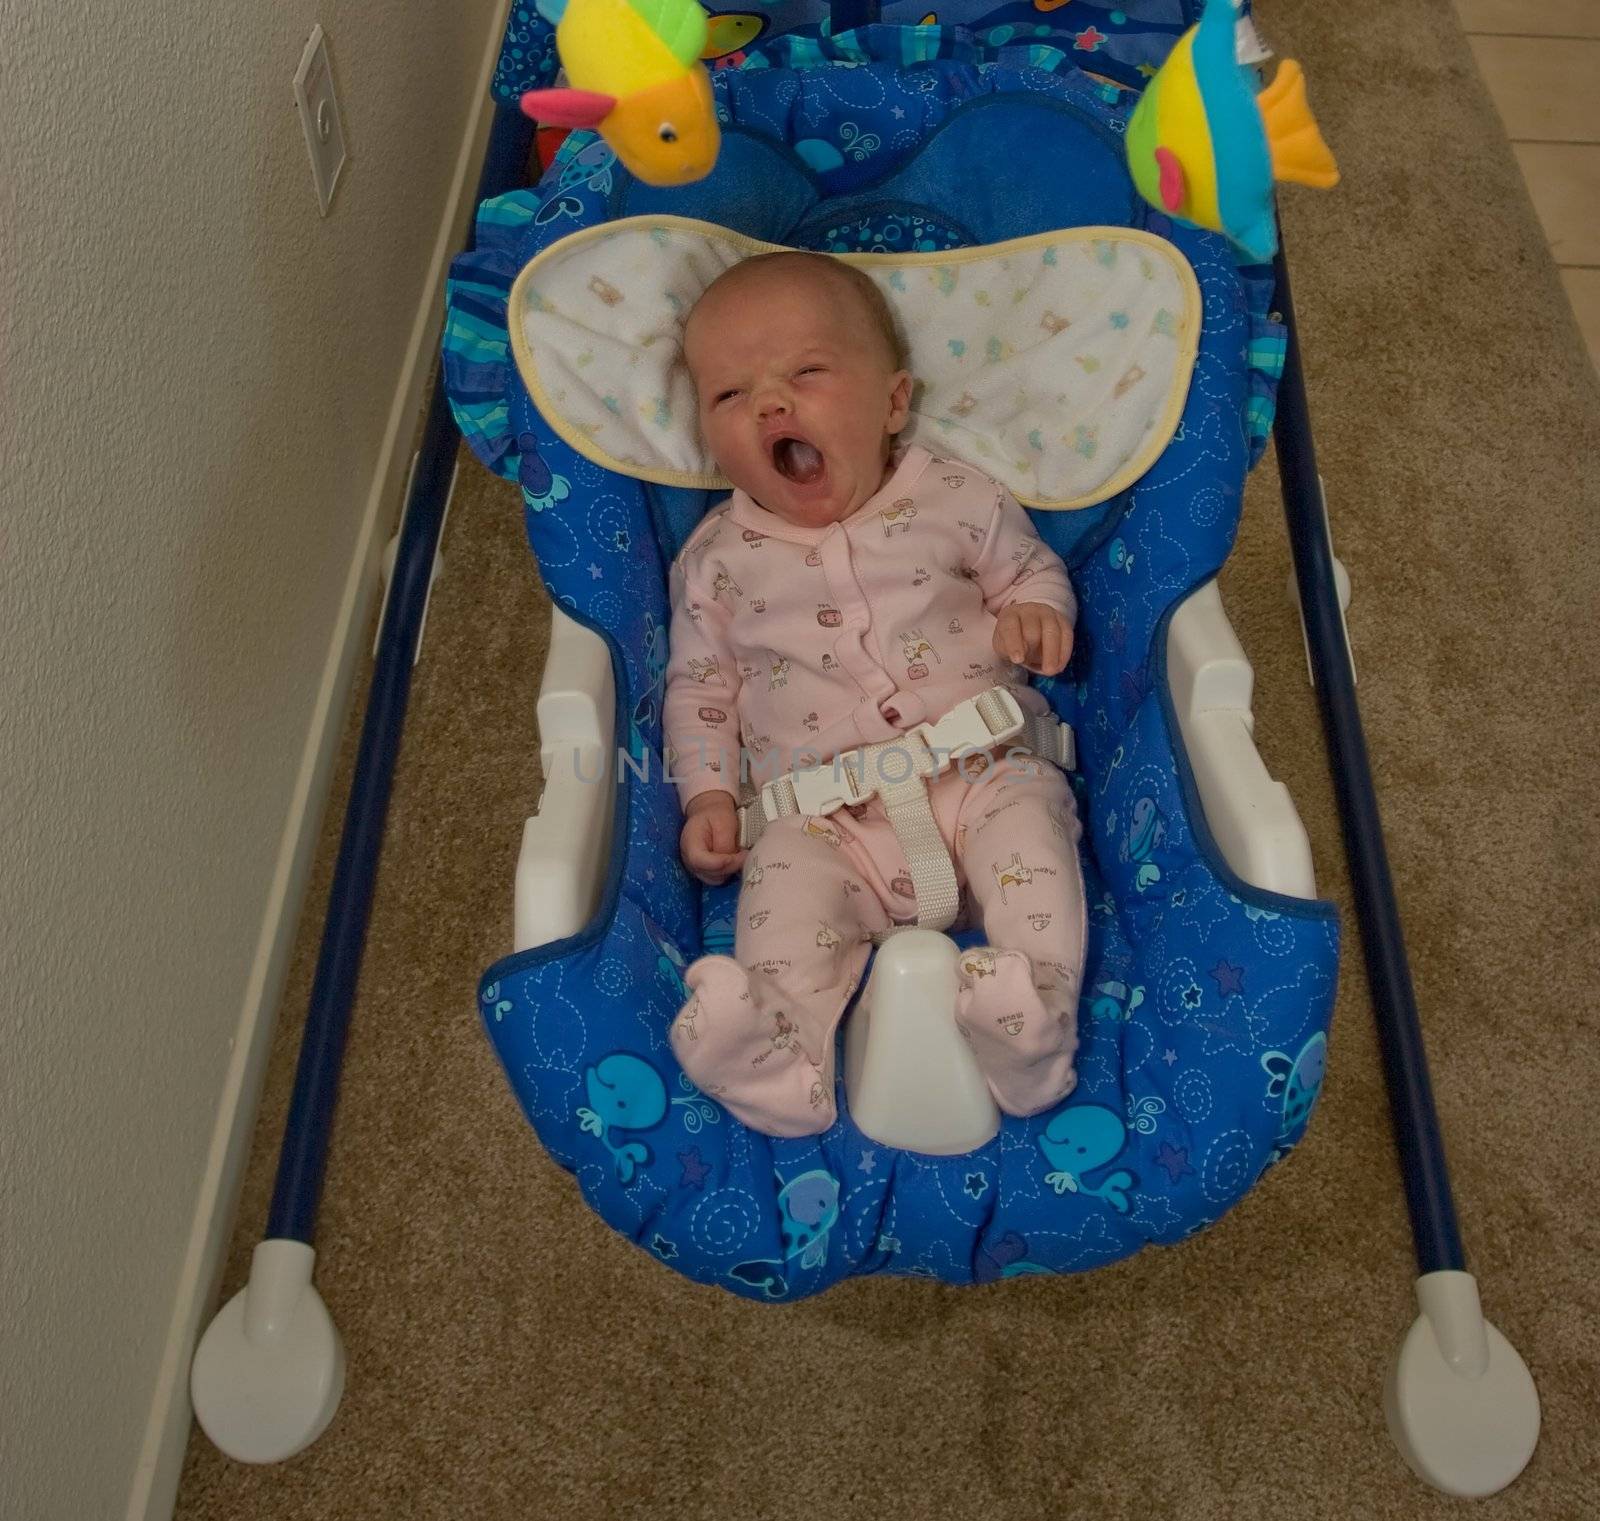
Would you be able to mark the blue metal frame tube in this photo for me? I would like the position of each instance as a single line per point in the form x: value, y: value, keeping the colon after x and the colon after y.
x: 1405, y: 1061
x: 303, y: 1160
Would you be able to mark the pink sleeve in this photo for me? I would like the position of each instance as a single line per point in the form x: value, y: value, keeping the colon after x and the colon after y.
x: 1015, y: 565
x: 700, y: 714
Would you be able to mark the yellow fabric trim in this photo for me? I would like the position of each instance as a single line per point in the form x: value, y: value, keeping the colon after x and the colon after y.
x: 1159, y: 437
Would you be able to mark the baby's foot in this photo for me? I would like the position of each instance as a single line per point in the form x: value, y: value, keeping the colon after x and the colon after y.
x: 1024, y: 1049
x: 737, y: 1039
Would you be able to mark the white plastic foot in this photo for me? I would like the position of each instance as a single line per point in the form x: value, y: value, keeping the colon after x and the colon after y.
x: 269, y: 1372
x: 912, y: 1081
x: 1460, y: 1402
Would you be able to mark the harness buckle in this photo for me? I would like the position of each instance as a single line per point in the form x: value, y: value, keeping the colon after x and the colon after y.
x: 990, y: 718
x: 924, y: 751
x: 818, y: 790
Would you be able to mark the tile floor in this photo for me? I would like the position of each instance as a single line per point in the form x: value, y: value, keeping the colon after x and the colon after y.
x: 1541, y: 62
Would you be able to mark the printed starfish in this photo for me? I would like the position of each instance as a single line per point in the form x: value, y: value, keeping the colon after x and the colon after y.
x: 1175, y: 1159
x: 1229, y: 978
x: 695, y: 1172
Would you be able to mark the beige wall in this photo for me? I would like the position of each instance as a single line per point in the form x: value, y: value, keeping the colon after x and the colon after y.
x: 203, y: 383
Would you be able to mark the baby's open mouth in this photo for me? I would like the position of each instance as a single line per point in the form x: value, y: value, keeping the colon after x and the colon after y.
x: 796, y: 460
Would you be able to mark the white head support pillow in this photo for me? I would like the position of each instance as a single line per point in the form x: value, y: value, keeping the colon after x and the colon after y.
x: 1057, y: 363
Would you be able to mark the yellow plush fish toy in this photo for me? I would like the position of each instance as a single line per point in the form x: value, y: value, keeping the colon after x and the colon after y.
x: 634, y: 73
x: 1203, y: 146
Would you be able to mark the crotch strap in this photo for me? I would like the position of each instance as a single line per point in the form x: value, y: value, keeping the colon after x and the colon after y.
x: 897, y: 771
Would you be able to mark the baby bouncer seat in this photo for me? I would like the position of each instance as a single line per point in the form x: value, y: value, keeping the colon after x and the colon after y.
x: 1203, y: 1023
x: 1211, y: 965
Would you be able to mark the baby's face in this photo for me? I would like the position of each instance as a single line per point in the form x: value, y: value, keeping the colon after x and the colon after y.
x: 798, y: 398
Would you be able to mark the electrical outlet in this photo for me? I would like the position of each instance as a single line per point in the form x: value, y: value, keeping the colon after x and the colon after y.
x: 319, y: 116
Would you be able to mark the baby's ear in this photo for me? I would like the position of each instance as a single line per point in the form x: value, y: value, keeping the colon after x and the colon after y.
x: 899, y: 400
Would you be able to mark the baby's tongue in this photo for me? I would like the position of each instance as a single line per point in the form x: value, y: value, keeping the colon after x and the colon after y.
x: 799, y: 461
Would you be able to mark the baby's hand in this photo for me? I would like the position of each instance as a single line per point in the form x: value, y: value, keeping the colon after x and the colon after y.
x: 1035, y: 635
x: 710, y: 839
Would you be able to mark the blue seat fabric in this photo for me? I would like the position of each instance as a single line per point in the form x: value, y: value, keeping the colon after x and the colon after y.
x: 1206, y: 1002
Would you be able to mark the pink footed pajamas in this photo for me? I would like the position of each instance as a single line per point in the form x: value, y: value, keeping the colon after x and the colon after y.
x: 801, y: 643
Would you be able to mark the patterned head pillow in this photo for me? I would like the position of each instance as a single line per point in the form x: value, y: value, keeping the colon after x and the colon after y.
x: 1057, y: 363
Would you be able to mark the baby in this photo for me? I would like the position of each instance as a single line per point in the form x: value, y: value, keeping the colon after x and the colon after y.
x: 847, y: 591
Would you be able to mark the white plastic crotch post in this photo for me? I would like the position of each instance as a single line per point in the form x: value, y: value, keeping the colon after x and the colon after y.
x: 912, y: 1082
x: 269, y: 1372
x: 1460, y: 1402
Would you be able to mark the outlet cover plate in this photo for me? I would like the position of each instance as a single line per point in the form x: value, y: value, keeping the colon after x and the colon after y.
x: 319, y: 117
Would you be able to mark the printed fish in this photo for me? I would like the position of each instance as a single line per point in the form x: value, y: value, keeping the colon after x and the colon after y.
x: 634, y: 73
x: 1297, y: 1081
x: 1203, y: 146
x: 808, y: 1208
x: 1077, y: 1141
x: 624, y: 1093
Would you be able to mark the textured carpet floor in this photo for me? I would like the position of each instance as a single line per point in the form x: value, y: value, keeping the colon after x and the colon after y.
x: 511, y: 1357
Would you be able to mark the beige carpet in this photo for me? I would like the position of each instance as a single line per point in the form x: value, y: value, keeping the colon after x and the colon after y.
x: 511, y: 1357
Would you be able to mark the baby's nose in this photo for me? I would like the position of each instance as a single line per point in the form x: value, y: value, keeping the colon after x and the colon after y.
x: 771, y: 404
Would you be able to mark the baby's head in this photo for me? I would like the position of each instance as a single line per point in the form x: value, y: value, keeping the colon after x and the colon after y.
x: 801, y: 383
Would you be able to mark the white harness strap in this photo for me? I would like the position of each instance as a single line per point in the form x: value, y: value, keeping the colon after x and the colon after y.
x: 897, y: 771
x: 902, y: 769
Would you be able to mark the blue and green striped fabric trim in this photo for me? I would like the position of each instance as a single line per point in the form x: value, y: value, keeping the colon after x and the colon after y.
x: 477, y: 349
x: 1269, y: 342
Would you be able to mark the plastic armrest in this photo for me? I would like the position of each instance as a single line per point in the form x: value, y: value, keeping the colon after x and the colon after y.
x: 1251, y: 817
x: 566, y: 844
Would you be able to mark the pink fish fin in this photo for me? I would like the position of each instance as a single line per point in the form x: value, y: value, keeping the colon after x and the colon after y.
x: 1172, y: 180
x: 568, y: 108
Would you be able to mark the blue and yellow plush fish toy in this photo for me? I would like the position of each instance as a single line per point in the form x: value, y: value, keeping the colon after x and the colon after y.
x: 634, y: 73
x: 1203, y: 146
